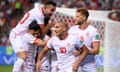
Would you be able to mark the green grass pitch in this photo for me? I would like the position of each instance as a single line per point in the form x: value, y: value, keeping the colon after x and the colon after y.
x: 9, y: 69
x: 6, y: 68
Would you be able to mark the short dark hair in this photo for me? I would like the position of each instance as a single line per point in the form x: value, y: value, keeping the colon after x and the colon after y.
x: 83, y: 11
x: 50, y: 3
x: 34, y: 26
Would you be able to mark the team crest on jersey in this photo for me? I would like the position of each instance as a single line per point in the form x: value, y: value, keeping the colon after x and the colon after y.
x: 81, y: 39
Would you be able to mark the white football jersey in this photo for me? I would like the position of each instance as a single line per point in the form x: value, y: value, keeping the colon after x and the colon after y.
x: 34, y: 14
x: 30, y: 48
x: 88, y: 36
x: 64, y: 50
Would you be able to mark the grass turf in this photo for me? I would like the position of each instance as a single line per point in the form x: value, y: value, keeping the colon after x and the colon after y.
x: 6, y: 68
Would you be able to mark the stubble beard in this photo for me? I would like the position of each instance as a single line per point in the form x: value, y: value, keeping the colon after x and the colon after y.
x: 80, y: 23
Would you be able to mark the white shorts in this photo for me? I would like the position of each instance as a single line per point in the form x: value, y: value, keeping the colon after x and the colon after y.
x: 68, y: 69
x: 54, y: 63
x: 25, y: 69
x: 45, y: 70
x: 16, y: 42
x: 28, y: 70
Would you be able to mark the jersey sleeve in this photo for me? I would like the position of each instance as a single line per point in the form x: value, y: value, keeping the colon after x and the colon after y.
x: 96, y: 36
x: 40, y: 20
x: 38, y: 16
x: 50, y: 43
x: 78, y: 43
x: 46, y: 37
x: 33, y: 14
x: 29, y: 38
x: 27, y: 19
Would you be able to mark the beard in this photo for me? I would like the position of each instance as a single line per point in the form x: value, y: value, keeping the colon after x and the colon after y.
x: 80, y: 23
x: 48, y: 15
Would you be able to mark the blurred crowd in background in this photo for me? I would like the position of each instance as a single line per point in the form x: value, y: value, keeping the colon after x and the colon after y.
x: 11, y: 11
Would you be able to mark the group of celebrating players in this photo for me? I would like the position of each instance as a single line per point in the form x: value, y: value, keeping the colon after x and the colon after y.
x: 65, y: 50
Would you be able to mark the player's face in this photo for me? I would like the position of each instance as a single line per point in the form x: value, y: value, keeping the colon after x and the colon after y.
x: 59, y: 29
x: 80, y: 18
x: 49, y: 10
x: 53, y: 31
x: 34, y: 33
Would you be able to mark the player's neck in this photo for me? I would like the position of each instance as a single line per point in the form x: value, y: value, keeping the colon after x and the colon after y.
x: 63, y: 36
x: 83, y: 25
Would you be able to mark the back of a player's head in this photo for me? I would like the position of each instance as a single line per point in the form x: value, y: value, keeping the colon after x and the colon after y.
x: 34, y: 26
x: 83, y: 11
x: 50, y: 3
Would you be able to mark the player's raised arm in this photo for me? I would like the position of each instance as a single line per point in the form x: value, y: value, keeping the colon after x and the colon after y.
x: 40, y: 42
x: 95, y: 43
x: 33, y: 33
